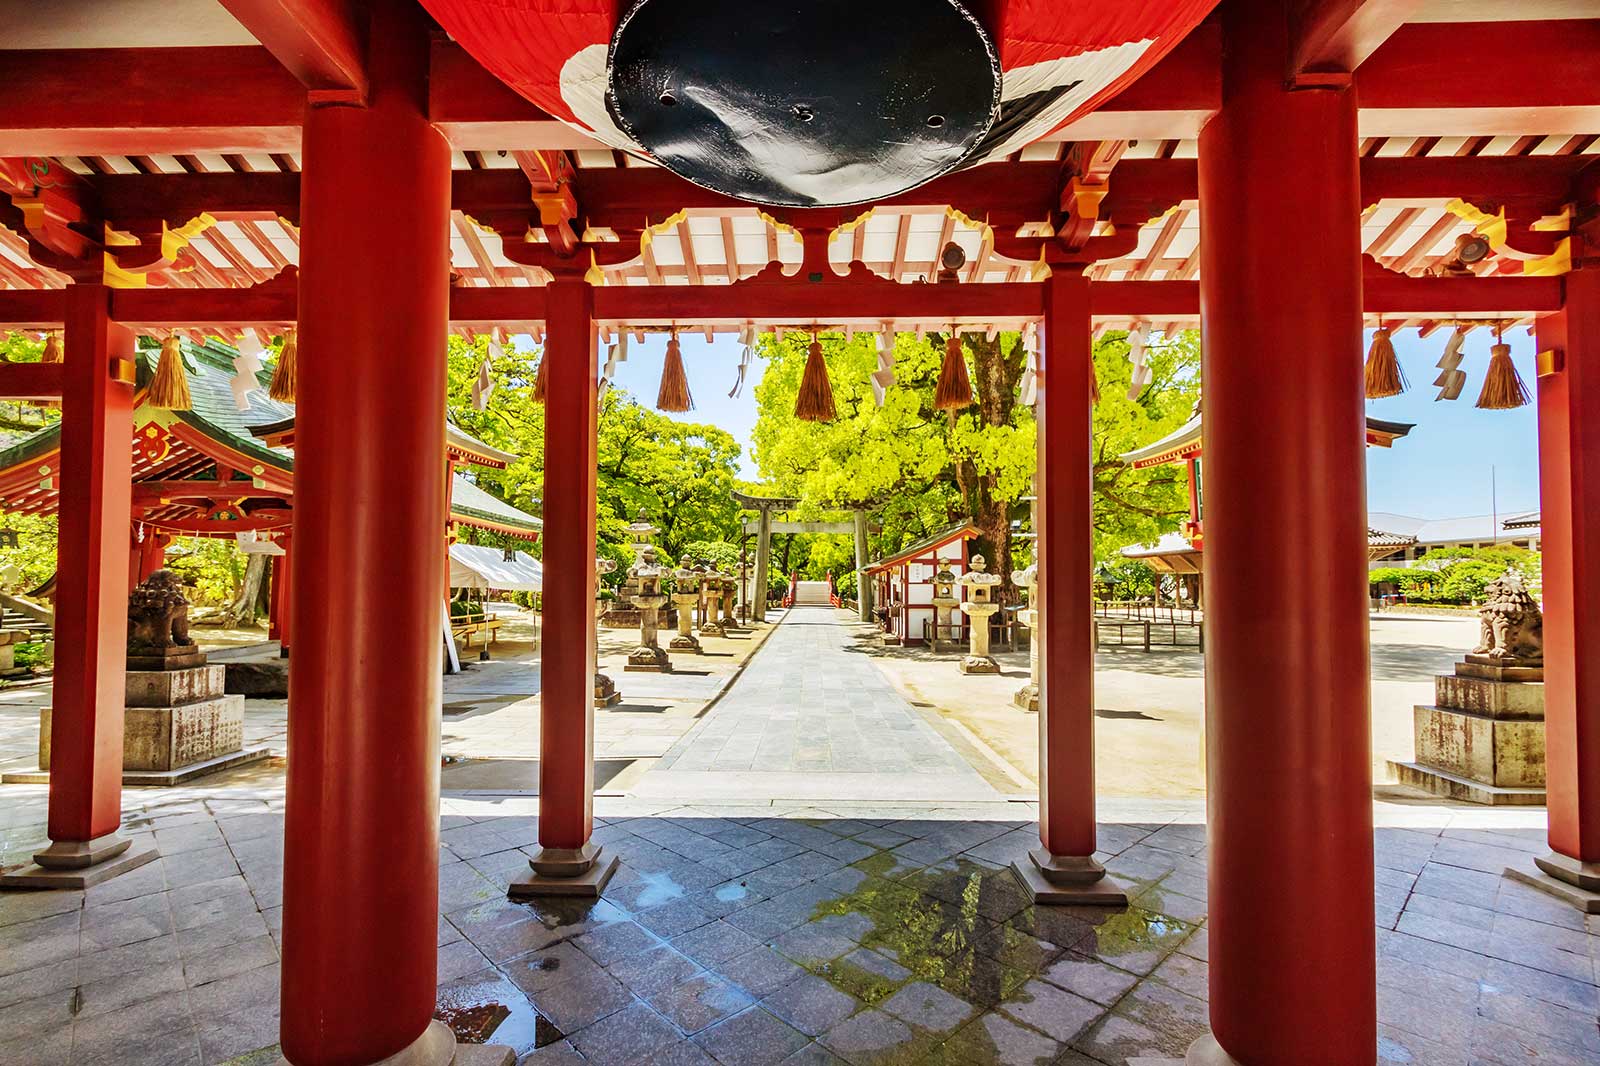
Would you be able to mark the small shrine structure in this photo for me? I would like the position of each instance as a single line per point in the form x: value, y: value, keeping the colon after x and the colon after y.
x: 905, y: 583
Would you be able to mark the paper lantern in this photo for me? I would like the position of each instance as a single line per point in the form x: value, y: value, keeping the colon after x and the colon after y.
x: 817, y: 102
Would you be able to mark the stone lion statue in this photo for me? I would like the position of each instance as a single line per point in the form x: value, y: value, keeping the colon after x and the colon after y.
x: 158, y: 615
x: 1512, y: 624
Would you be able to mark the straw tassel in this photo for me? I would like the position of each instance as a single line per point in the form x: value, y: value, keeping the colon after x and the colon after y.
x: 954, y: 390
x: 1094, y: 385
x: 1503, y: 390
x: 169, y: 389
x: 673, y: 395
x: 52, y: 348
x: 815, y: 402
x: 541, y: 377
x: 1384, y: 377
x: 284, y: 374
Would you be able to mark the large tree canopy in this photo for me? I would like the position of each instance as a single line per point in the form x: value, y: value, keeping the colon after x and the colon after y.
x: 918, y: 468
x: 681, y: 474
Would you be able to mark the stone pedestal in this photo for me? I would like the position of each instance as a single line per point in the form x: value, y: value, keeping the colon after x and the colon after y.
x: 685, y: 640
x: 1027, y: 697
x: 977, y: 660
x: 9, y: 639
x: 178, y: 725
x: 649, y: 656
x: 943, y: 610
x: 1482, y: 740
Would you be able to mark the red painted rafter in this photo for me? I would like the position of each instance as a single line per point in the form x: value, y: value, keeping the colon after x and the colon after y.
x: 321, y: 42
x: 1334, y: 37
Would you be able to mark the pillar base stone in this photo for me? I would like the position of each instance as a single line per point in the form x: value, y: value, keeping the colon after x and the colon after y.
x: 1068, y: 879
x: 566, y: 872
x: 1027, y: 698
x: 1577, y: 883
x: 979, y: 664
x: 686, y: 642
x: 80, y: 864
x: 1207, y: 1052
x: 437, y: 1047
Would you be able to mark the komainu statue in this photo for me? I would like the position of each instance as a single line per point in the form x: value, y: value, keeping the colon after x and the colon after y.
x: 1513, y: 626
x: 158, y: 624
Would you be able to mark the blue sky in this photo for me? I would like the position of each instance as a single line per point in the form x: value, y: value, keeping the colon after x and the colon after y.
x: 1441, y: 470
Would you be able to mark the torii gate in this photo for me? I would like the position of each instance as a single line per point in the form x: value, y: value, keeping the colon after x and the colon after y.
x: 764, y: 527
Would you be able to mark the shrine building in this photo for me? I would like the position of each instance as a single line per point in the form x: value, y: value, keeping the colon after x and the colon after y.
x: 373, y: 174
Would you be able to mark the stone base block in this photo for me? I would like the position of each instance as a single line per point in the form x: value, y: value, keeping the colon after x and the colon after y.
x: 1101, y: 892
x: 116, y: 857
x: 1584, y: 875
x: 170, y: 738
x: 605, y: 691
x: 1027, y: 698
x: 158, y: 778
x: 1465, y: 789
x: 1492, y: 699
x: 1482, y: 666
x: 1500, y: 752
x: 713, y: 629
x: 1207, y: 1052
x: 437, y: 1047
x: 169, y: 688
x: 582, y: 873
x: 268, y: 680
x: 686, y: 642
x: 177, y: 658
x: 979, y: 664
x: 649, y: 660
x: 1534, y: 875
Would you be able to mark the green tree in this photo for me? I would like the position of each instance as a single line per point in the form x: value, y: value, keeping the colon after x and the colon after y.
x: 918, y: 468
x: 18, y: 419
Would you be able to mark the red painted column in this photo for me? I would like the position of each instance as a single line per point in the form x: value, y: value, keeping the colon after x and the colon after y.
x: 91, y: 587
x: 361, y: 839
x: 568, y: 862
x: 1287, y: 707
x: 1569, y: 497
x: 149, y: 555
x: 1063, y: 869
x: 278, y: 626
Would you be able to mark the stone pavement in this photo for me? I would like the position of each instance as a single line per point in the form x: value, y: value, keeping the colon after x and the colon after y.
x: 813, y: 717
x: 759, y: 933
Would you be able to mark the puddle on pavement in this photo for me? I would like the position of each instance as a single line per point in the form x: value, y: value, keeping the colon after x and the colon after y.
x: 731, y: 893
x: 494, y: 1011
x: 658, y: 888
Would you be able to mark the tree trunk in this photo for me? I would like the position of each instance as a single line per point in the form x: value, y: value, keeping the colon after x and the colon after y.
x: 997, y: 370
x: 243, y: 610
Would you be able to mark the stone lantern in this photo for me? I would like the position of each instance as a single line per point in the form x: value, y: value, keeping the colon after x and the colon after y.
x: 686, y: 594
x: 711, y: 624
x: 945, y: 600
x: 730, y: 594
x: 979, y: 607
x: 1027, y: 696
x: 605, y: 690
x: 646, y: 575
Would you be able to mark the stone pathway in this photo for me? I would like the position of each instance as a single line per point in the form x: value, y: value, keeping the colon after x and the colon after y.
x: 756, y: 934
x: 812, y: 717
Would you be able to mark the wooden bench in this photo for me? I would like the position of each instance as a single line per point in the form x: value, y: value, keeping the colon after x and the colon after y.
x: 463, y: 631
x: 1139, y: 626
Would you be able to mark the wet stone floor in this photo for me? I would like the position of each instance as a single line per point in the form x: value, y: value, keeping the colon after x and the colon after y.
x: 747, y: 939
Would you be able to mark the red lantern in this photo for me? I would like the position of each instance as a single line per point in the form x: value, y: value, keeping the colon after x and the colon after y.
x: 817, y: 102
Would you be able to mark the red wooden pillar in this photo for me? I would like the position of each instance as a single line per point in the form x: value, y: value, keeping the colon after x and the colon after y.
x: 361, y: 840
x: 145, y: 556
x: 568, y: 862
x: 1569, y: 495
x: 1063, y: 868
x: 92, y: 568
x: 279, y: 614
x: 1287, y: 707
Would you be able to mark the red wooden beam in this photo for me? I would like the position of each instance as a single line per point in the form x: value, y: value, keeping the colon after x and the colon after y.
x: 1334, y: 37
x: 117, y: 101
x: 32, y: 308
x: 30, y: 381
x: 320, y: 42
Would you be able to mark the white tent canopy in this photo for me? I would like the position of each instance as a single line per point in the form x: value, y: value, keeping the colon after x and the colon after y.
x: 474, y: 566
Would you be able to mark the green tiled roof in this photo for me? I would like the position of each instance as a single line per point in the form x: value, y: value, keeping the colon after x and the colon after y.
x: 210, y: 369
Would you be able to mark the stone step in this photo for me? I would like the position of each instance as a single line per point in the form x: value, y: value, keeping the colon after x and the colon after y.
x: 1453, y: 786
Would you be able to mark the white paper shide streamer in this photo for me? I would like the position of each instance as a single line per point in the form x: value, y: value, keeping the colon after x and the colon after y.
x: 1451, y: 377
x: 747, y: 338
x: 483, y: 384
x: 1141, y: 369
x: 883, y: 377
x: 1028, y: 387
x: 246, y: 365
